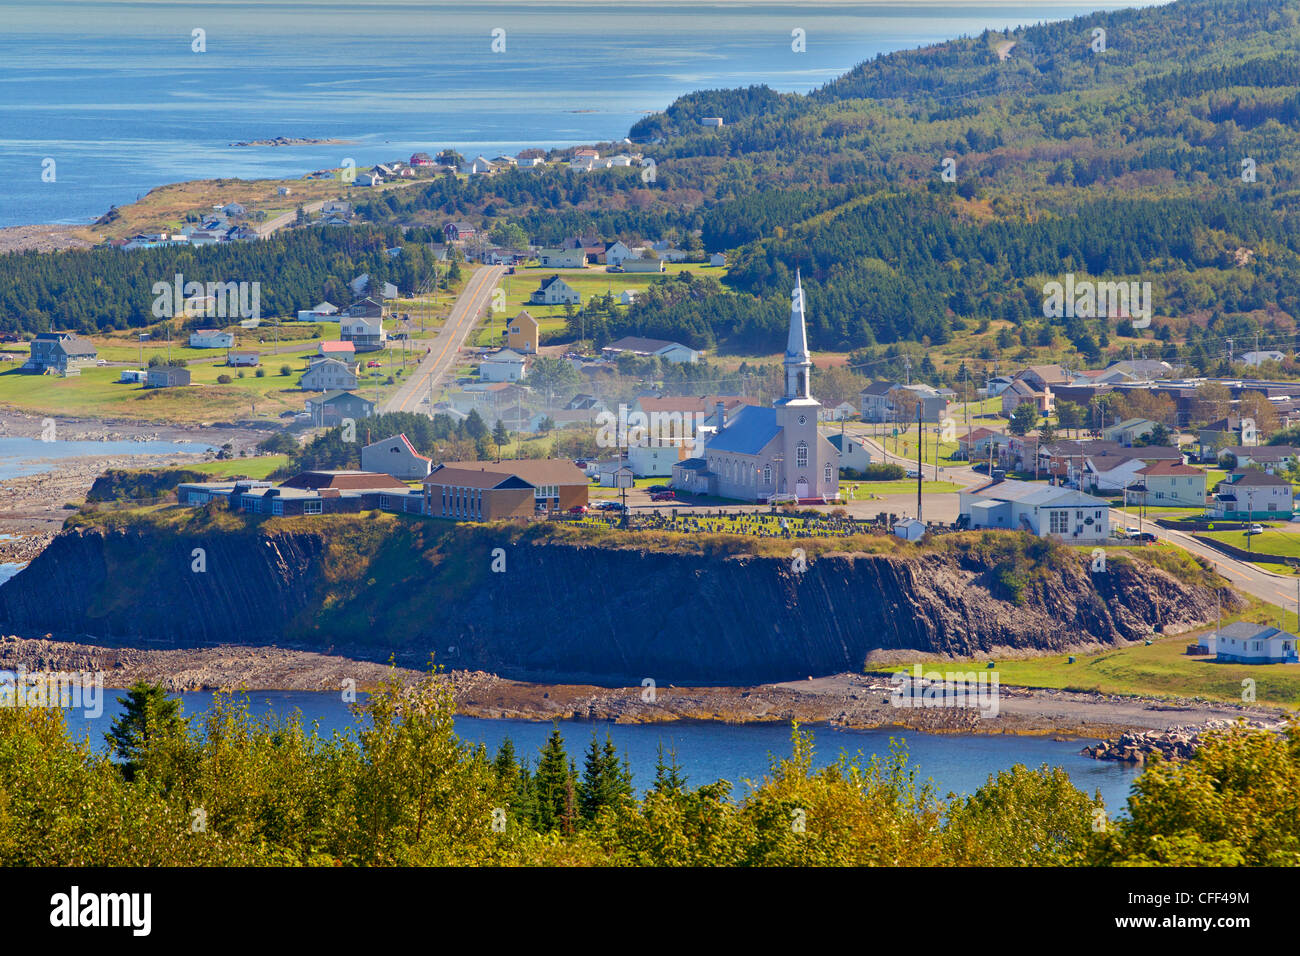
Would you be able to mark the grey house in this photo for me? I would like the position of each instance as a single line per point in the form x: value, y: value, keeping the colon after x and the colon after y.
x: 60, y: 353
x: 336, y: 406
x: 166, y: 377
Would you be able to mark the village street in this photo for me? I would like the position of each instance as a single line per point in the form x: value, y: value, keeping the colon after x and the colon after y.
x: 444, y: 348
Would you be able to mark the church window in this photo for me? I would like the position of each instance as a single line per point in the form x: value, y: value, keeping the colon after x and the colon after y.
x: 828, y: 472
x: 801, y: 455
x: 767, y: 474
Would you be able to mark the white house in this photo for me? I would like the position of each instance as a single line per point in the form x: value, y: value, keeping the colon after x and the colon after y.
x: 1046, y: 511
x: 395, y: 456
x: 479, y: 166
x: 1245, y: 643
x: 616, y: 252
x: 1169, y: 483
x: 555, y: 291
x: 1110, y: 474
x: 504, y: 365
x: 327, y: 375
x: 1128, y: 431
x: 854, y: 453
x: 660, y: 348
x: 652, y: 460
x: 628, y: 296
x: 1250, y: 495
x: 369, y: 179
x: 562, y: 258
x: 839, y: 412
x: 211, y: 339
x: 243, y: 360
x: 322, y: 311
x: 366, y: 335
x: 642, y: 265
x: 717, y: 259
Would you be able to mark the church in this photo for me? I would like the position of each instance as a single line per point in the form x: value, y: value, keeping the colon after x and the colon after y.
x: 764, y: 454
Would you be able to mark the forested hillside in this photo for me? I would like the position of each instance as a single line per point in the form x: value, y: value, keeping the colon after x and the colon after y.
x: 924, y: 194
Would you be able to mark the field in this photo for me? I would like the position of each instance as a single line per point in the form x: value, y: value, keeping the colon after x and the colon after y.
x: 1269, y: 541
x: 1159, y: 669
x: 589, y: 282
x: 166, y: 208
x: 96, y: 392
x: 905, y: 486
x: 256, y: 468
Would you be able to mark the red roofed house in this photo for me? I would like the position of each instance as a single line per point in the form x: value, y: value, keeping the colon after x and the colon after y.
x: 976, y: 444
x: 1173, y: 483
x: 396, y: 456
x: 336, y: 349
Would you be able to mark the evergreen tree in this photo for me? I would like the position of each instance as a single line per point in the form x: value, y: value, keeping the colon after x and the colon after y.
x: 552, y: 783
x: 149, y: 715
x: 606, y: 780
x: 500, y: 436
x: 668, y: 776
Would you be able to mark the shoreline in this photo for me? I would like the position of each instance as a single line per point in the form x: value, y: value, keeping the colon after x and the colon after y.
x: 849, y: 701
x: 34, y: 506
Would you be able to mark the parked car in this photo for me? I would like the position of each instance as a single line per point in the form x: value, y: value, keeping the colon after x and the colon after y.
x: 1255, y: 529
x: 1145, y: 536
x: 578, y: 510
x: 654, y: 488
x: 372, y: 364
x: 663, y: 496
x: 611, y: 506
x: 912, y: 473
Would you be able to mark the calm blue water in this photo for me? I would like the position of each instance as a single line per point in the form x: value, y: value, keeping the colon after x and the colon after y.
x: 31, y: 456
x: 708, y: 751
x: 112, y: 92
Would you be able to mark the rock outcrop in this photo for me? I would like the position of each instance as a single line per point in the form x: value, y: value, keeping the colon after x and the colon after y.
x: 569, y: 613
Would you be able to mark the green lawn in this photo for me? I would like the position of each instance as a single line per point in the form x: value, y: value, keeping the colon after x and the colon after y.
x: 257, y: 468
x: 1159, y: 669
x: 905, y: 486
x: 1268, y: 542
x: 589, y: 282
x: 904, y: 446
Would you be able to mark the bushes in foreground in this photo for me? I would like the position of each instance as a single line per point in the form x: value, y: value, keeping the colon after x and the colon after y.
x: 402, y: 789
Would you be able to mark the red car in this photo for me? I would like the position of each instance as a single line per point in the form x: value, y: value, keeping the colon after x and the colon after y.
x: 663, y: 496
x: 578, y: 510
x: 372, y: 364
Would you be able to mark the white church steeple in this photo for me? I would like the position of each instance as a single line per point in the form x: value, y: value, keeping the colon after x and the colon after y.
x: 798, y: 363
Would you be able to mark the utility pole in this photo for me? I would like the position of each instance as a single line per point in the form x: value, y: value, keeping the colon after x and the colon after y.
x: 920, y: 437
x: 907, y: 369
x: 966, y: 410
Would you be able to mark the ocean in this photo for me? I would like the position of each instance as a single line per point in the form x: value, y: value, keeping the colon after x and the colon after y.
x: 113, y: 93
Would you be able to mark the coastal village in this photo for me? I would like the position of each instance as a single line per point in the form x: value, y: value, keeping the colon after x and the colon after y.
x: 633, y: 431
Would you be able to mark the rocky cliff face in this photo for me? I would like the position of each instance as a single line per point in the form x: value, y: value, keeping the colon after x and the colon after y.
x: 573, y: 613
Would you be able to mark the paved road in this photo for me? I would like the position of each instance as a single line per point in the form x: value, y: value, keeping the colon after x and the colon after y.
x: 284, y: 219
x: 1265, y: 585
x: 445, y: 347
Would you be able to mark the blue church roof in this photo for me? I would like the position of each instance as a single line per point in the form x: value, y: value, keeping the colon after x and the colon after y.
x: 748, y: 433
